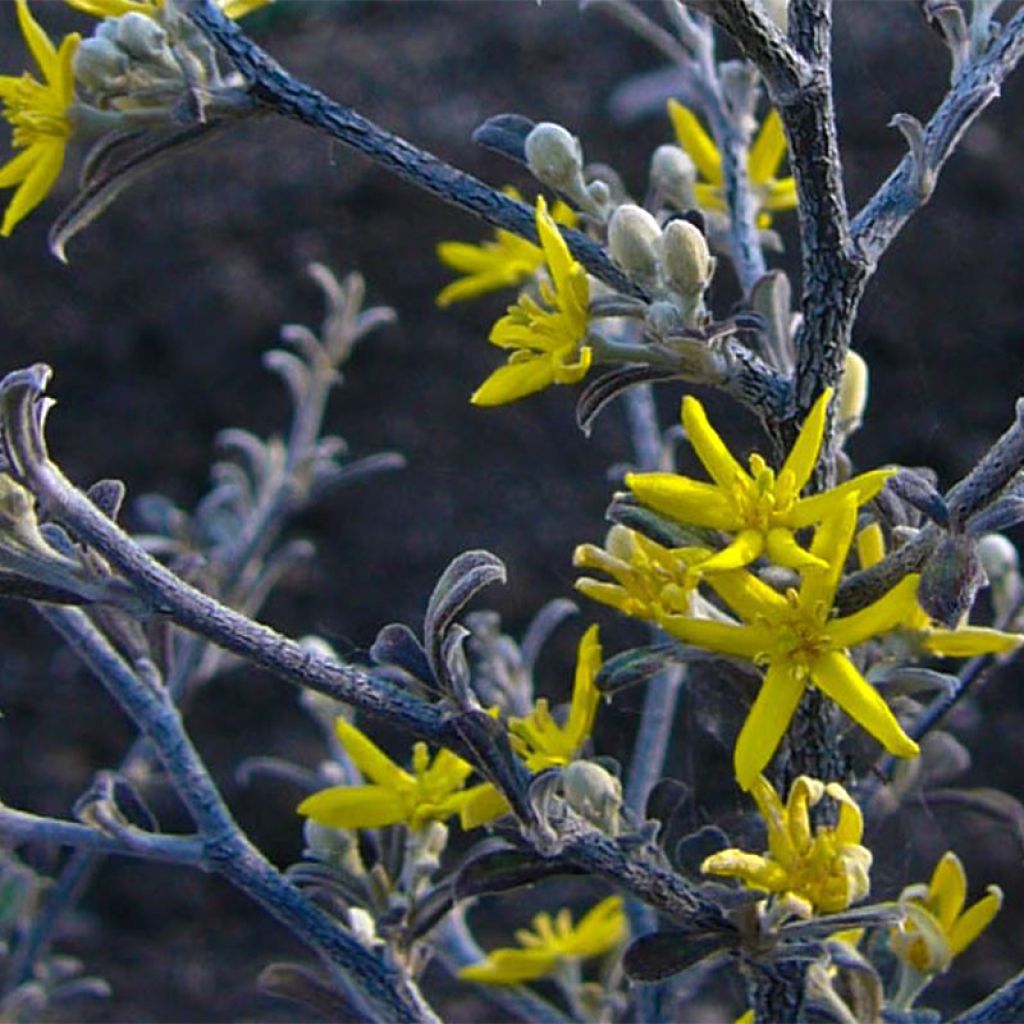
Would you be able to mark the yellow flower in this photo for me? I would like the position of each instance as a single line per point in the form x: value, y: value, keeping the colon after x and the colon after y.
x: 38, y: 113
x: 817, y: 872
x: 763, y: 162
x: 937, y: 927
x: 551, y: 941
x: 151, y: 8
x: 507, y: 261
x: 795, y: 636
x: 650, y: 579
x: 393, y: 795
x: 539, y: 740
x: 762, y: 508
x: 546, y: 337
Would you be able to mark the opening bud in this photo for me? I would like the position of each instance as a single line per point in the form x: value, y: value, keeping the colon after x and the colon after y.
x: 634, y: 239
x: 998, y: 556
x: 689, y: 265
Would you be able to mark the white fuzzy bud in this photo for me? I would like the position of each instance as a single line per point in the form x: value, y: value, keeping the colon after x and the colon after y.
x: 998, y: 556
x: 634, y: 239
x: 555, y: 157
x: 778, y: 11
x: 688, y: 262
x: 98, y: 62
x: 853, y: 393
x: 673, y: 175
x: 594, y: 793
x: 141, y: 37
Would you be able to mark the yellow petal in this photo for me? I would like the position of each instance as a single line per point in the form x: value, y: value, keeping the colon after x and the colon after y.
x: 49, y: 158
x: 514, y: 381
x: 808, y: 511
x: 17, y: 169
x: 782, y: 548
x: 741, y: 641
x: 510, y: 967
x: 754, y: 870
x: 976, y: 920
x: 768, y: 149
x: 369, y: 758
x: 947, y: 891
x: 478, y: 805
x: 748, y: 595
x: 803, y: 456
x: 779, y: 195
x: 969, y: 641
x: 803, y: 794
x: 710, y: 197
x: 447, y: 771
x: 698, y: 144
x: 831, y: 543
x: 850, y: 826
x: 355, y: 807
x: 745, y: 548
x: 601, y: 929
x: 709, y: 446
x: 688, y: 501
x: 870, y: 545
x: 774, y: 815
x: 767, y: 722
x: 556, y: 253
x: 835, y: 675
x: 585, y: 695
x: 883, y: 615
x: 38, y: 42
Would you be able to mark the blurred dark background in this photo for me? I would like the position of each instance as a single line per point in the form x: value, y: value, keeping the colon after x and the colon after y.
x: 157, y: 327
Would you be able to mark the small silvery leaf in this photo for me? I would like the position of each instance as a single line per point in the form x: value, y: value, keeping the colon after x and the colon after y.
x: 505, y: 868
x: 661, y: 955
x: 918, y: 491
x: 505, y: 134
x: 692, y: 850
x: 107, y: 496
x: 396, y: 644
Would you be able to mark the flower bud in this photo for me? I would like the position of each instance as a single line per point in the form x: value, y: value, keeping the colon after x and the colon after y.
x: 673, y: 175
x: 998, y: 555
x: 634, y: 239
x: 555, y: 157
x: 853, y: 393
x: 98, y: 61
x: 594, y: 793
x: 141, y: 37
x: 689, y: 265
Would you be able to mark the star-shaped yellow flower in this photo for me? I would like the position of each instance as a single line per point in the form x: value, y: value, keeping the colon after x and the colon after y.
x: 763, y: 162
x: 539, y: 740
x: 38, y: 113
x: 393, y: 795
x: 650, y: 579
x: 817, y: 872
x: 761, y: 507
x: 546, y: 337
x: 551, y: 941
x: 799, y: 642
x: 151, y: 8
x: 937, y: 927
x: 506, y: 261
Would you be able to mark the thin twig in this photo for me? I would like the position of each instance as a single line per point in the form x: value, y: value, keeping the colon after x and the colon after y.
x: 280, y: 92
x: 18, y: 827
x: 371, y: 983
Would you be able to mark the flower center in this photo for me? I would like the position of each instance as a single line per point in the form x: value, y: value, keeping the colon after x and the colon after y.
x: 34, y: 113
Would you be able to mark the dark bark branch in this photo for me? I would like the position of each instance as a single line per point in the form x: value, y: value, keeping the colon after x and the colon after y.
x: 281, y: 93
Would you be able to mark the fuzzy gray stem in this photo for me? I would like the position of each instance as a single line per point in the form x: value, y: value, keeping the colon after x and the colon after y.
x: 372, y: 984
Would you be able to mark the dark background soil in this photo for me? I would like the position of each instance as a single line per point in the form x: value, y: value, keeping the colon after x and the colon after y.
x: 156, y: 330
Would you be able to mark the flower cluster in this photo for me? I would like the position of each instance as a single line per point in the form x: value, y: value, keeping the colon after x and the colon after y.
x: 436, y: 789
x: 794, y: 634
x: 45, y: 114
x: 811, y: 871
